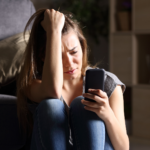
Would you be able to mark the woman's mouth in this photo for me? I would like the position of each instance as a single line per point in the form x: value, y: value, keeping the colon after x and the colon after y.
x: 71, y: 72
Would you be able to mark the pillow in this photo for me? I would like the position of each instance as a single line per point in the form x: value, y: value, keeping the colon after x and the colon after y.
x: 11, y: 57
x: 14, y: 15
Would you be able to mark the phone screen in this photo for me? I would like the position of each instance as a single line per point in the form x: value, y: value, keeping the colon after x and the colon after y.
x: 94, y: 79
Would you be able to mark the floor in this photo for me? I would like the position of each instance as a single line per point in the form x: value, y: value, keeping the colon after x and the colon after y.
x: 139, y: 144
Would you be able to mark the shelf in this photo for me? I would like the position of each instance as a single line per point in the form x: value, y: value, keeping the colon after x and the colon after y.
x: 120, y: 20
x: 141, y: 19
x: 141, y: 112
x: 130, y: 61
x: 141, y: 32
x: 142, y: 86
x: 122, y: 32
x: 121, y: 57
x: 139, y: 142
x: 131, y: 32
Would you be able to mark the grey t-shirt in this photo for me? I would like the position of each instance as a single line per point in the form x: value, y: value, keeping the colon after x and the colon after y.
x: 110, y: 83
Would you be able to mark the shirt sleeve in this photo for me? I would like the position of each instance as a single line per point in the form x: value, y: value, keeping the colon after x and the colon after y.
x: 111, y: 81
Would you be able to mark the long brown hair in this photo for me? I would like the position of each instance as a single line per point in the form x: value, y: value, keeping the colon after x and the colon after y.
x: 33, y: 64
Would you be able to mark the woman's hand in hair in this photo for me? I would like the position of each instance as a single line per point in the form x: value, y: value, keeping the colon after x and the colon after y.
x: 53, y: 20
x: 101, y: 105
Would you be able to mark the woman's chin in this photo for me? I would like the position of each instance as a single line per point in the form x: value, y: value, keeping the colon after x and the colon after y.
x: 72, y: 75
x: 67, y: 77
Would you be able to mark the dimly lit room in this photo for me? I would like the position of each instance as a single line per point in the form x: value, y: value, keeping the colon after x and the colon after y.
x: 109, y: 111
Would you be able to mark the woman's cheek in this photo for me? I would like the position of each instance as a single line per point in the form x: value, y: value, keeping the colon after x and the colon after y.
x: 79, y: 59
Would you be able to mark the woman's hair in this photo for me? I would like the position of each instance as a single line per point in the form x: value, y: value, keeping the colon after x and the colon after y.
x: 33, y: 64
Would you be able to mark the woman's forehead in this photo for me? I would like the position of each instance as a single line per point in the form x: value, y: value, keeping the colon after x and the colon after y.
x: 70, y: 40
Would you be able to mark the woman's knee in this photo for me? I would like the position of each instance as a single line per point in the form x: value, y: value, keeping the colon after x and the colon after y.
x: 49, y: 107
x: 50, y: 121
x: 51, y: 102
x: 77, y: 102
x: 77, y: 110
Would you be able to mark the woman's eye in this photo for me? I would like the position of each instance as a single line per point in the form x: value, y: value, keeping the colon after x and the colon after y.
x: 74, y: 52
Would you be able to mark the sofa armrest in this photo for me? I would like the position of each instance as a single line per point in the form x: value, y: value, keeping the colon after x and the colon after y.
x: 10, y: 136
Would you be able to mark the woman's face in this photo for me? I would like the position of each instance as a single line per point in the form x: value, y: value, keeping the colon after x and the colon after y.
x: 71, y: 55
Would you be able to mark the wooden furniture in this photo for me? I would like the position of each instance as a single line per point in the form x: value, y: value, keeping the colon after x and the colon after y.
x: 130, y: 60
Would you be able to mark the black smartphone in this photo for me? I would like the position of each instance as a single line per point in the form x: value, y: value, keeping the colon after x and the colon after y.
x: 94, y: 79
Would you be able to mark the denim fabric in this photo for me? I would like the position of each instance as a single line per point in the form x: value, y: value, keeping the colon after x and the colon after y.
x: 51, y: 129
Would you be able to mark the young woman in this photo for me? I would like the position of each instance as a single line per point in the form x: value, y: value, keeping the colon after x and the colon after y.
x: 52, y: 78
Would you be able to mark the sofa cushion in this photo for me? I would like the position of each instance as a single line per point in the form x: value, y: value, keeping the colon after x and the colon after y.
x: 11, y: 57
x: 14, y: 15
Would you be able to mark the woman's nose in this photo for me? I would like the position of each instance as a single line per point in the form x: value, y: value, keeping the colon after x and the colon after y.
x: 67, y: 60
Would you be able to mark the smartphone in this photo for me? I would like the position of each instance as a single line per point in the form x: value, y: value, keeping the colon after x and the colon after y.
x: 94, y: 79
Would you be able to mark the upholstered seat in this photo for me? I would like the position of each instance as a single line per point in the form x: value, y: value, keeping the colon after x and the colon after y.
x: 14, y: 15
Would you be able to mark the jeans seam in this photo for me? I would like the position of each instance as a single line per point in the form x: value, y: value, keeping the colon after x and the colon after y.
x: 39, y: 130
x: 77, y: 143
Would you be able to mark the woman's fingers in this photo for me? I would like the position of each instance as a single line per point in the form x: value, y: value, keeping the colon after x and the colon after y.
x: 97, y: 95
x: 91, y: 104
x: 97, y: 98
x: 98, y: 92
x: 53, y: 20
x: 101, y: 107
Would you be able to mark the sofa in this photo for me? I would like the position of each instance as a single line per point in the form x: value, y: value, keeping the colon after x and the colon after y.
x: 14, y: 15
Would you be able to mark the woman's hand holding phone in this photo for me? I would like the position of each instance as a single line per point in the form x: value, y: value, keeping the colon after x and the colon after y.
x: 53, y: 20
x: 96, y: 99
x: 101, y: 105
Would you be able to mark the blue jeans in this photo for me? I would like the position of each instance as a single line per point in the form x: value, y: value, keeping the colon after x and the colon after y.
x: 51, y: 130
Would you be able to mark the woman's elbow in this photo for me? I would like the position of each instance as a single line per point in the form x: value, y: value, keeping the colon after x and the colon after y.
x: 53, y: 94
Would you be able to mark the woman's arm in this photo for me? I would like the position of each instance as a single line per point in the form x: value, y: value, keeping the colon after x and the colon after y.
x: 116, y: 123
x: 112, y: 113
x: 52, y: 75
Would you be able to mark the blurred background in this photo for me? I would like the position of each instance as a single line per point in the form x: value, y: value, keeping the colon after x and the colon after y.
x: 118, y: 35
